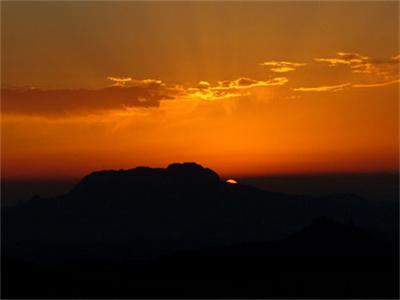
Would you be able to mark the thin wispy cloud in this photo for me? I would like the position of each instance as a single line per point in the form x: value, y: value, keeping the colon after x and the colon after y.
x: 119, y: 81
x: 344, y: 58
x: 375, y: 72
x: 326, y: 88
x: 154, y: 83
x: 282, y: 66
x: 378, y: 84
x: 341, y: 87
x: 232, y: 88
x: 386, y: 69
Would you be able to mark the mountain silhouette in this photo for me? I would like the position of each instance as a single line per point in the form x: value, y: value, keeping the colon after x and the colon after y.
x: 185, y: 220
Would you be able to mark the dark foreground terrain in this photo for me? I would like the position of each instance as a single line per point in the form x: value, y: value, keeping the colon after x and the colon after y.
x: 181, y: 232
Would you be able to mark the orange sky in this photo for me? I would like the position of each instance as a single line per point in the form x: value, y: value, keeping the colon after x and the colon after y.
x: 243, y: 88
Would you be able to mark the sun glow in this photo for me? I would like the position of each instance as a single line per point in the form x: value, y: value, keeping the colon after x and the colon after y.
x: 231, y: 181
x: 241, y: 97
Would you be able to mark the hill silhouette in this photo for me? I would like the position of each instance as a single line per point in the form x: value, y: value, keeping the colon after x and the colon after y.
x: 144, y: 232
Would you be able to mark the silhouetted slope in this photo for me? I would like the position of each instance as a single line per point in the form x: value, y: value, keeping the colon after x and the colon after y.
x: 147, y: 232
x: 141, y: 180
x: 146, y: 212
x: 304, y: 265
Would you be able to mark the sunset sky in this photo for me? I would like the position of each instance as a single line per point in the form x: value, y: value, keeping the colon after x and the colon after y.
x: 242, y: 88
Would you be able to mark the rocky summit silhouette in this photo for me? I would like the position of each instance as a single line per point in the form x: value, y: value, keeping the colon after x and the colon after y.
x: 124, y: 226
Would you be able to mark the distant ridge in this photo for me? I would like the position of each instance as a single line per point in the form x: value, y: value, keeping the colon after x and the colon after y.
x: 180, y: 175
x: 150, y: 212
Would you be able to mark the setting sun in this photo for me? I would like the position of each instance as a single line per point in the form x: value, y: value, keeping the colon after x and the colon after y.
x: 193, y: 149
x: 231, y: 181
x: 240, y: 99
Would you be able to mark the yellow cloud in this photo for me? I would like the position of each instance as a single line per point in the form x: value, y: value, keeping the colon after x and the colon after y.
x: 327, y: 88
x: 282, y: 66
x: 123, y: 81
x: 231, y: 88
x: 244, y: 82
x: 216, y: 94
x: 344, y: 58
x: 277, y: 81
x: 379, y: 84
x: 119, y: 81
x: 148, y: 83
x: 282, y: 69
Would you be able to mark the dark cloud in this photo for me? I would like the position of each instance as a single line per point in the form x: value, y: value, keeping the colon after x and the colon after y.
x: 60, y: 102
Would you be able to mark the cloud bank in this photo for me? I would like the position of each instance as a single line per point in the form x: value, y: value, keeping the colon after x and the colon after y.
x: 124, y: 93
x: 61, y: 102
